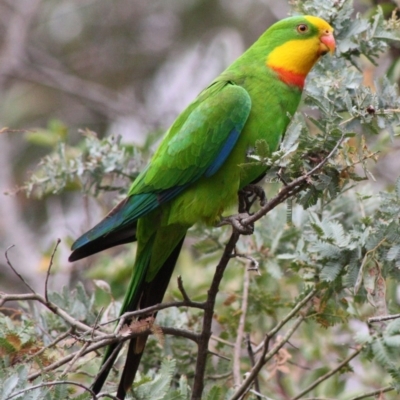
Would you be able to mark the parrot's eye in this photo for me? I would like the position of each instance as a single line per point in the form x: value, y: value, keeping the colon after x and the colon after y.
x: 302, y: 28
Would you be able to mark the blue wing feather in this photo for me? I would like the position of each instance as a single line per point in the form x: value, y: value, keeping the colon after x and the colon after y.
x: 224, y: 153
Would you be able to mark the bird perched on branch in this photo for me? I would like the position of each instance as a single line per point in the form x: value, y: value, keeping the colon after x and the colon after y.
x: 196, y: 172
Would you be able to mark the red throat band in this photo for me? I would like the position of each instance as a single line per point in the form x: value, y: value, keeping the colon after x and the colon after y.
x: 290, y: 78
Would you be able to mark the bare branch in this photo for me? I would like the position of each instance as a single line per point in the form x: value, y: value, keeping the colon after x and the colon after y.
x: 53, y: 343
x: 49, y: 269
x: 15, y: 271
x: 267, y: 356
x: 214, y: 353
x: 205, y: 335
x: 245, y: 386
x: 383, y: 318
x: 54, y: 383
x: 237, y: 376
x: 182, y: 290
x: 4, y: 298
x: 78, y: 354
x: 218, y: 339
x: 288, y: 317
x: 328, y: 374
x: 153, y: 309
x: 253, y: 362
x: 374, y: 393
x: 100, y: 342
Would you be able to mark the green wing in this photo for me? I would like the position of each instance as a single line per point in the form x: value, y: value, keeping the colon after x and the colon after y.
x: 196, y: 145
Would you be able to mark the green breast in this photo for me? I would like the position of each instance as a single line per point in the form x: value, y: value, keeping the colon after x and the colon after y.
x: 273, y: 102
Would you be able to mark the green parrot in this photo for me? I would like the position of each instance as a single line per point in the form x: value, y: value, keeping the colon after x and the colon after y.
x: 196, y: 172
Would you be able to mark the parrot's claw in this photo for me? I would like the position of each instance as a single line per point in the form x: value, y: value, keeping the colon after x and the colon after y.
x: 248, y: 195
x: 236, y: 222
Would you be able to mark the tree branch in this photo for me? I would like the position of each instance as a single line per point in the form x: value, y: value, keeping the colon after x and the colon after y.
x: 49, y: 269
x: 374, y: 393
x: 237, y: 376
x: 15, y: 271
x: 267, y: 356
x: 328, y: 374
x: 205, y: 335
x: 54, y: 383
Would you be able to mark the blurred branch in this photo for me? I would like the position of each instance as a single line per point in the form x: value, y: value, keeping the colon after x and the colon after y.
x: 105, y: 340
x: 49, y: 270
x: 50, y: 345
x: 266, y: 356
x: 328, y: 374
x: 105, y: 101
x: 240, y: 330
x: 374, y: 393
x: 4, y: 298
x: 383, y: 318
x: 205, y: 335
x: 153, y: 309
x: 250, y: 352
x: 20, y: 277
x: 54, y: 383
x: 16, y: 37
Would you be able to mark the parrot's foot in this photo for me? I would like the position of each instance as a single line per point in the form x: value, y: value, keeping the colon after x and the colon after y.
x: 236, y: 222
x: 248, y: 195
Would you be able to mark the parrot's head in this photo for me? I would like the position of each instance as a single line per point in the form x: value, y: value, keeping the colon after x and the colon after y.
x: 295, y: 44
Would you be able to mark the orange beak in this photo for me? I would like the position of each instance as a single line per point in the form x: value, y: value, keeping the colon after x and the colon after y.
x: 327, y: 44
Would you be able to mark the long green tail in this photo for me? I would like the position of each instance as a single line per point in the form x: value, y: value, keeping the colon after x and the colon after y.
x: 140, y: 294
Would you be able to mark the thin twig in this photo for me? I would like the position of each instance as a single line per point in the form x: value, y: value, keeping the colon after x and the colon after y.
x: 15, y: 271
x: 237, y: 377
x: 218, y: 339
x: 152, y: 309
x: 373, y: 393
x: 43, y: 384
x: 51, y: 306
x: 219, y: 355
x: 109, y: 361
x: 53, y: 343
x: 104, y: 341
x: 219, y: 376
x: 183, y: 291
x: 328, y: 374
x: 78, y: 355
x: 383, y: 318
x: 49, y: 269
x: 265, y: 357
x: 254, y: 264
x: 360, y: 275
x: 96, y: 321
x: 288, y: 317
x: 264, y: 346
x: 250, y: 352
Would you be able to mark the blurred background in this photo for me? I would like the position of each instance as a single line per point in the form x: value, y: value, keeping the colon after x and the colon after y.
x: 121, y: 67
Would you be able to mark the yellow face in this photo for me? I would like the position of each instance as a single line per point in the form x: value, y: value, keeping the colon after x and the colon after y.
x: 299, y: 56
